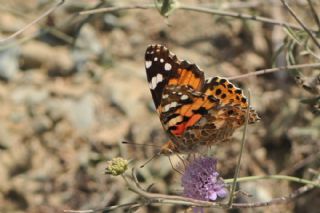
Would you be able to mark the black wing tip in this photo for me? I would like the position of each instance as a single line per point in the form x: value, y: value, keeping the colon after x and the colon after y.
x: 155, y: 50
x: 155, y: 46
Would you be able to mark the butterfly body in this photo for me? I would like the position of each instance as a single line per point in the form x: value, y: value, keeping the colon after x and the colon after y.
x: 195, y: 112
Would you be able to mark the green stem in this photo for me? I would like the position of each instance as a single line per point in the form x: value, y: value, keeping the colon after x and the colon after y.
x: 243, y: 141
x: 275, y: 177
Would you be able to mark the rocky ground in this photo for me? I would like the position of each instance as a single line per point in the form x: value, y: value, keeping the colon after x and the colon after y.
x: 68, y: 99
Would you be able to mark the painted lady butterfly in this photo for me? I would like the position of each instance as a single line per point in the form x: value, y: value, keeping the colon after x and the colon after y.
x: 194, y: 112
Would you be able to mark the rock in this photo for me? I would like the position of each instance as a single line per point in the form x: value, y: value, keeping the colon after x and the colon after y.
x: 57, y: 60
x: 29, y: 95
x: 87, y: 47
x: 82, y: 113
x: 9, y: 65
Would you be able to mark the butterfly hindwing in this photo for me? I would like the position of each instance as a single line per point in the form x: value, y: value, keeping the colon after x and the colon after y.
x: 230, y: 97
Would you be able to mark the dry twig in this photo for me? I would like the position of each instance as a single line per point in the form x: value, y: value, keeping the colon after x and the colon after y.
x: 276, y: 69
x: 202, y: 10
x: 314, y: 13
x: 32, y: 23
x: 294, y: 15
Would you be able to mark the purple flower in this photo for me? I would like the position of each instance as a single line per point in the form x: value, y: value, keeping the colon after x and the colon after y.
x: 201, y: 181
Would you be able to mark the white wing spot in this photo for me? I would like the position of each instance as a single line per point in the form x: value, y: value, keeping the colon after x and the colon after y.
x: 161, y: 60
x: 166, y: 108
x: 167, y: 66
x: 165, y: 96
x: 155, y: 59
x: 184, y: 97
x: 155, y: 80
x: 148, y: 64
x: 173, y: 104
x: 159, y: 78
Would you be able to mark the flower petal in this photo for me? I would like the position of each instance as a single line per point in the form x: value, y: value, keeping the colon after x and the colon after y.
x: 222, y: 193
x: 213, y: 196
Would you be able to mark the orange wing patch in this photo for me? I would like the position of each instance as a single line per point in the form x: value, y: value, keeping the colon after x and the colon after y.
x: 192, y: 113
x: 188, y: 78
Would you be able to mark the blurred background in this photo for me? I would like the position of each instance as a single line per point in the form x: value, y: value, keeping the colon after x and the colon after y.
x: 73, y: 87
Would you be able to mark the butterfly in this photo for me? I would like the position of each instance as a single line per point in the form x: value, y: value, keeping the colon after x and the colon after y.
x: 194, y: 111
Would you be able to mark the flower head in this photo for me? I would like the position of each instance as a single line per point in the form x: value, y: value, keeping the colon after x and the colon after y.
x: 201, y: 180
x: 116, y: 166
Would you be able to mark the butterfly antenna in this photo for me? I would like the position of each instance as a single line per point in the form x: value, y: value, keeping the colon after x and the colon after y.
x: 149, y: 160
x: 139, y: 144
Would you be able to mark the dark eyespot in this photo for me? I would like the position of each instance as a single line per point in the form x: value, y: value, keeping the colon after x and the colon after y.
x: 243, y: 100
x: 230, y: 86
x: 223, y: 96
x: 238, y: 98
x: 230, y: 91
x: 238, y: 91
x: 218, y: 91
x: 222, y: 81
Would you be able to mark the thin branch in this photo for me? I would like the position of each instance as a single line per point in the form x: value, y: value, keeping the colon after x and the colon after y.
x: 202, y: 10
x: 114, y: 9
x: 32, y: 23
x: 279, y: 200
x: 241, y: 16
x: 301, y: 163
x: 294, y: 15
x: 275, y: 177
x: 109, y: 208
x: 314, y: 13
x: 276, y: 69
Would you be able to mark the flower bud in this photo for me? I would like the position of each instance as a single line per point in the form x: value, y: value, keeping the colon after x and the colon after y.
x: 116, y: 166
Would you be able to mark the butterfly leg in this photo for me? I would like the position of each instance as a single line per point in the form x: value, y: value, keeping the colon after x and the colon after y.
x: 182, y: 160
x: 174, y: 168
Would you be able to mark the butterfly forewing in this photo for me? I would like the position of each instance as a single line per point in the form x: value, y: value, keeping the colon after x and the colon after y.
x: 159, y: 64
